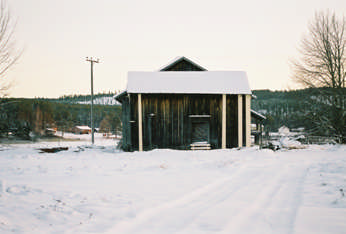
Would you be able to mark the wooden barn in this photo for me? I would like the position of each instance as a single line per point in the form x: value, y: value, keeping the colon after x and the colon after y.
x: 184, y: 106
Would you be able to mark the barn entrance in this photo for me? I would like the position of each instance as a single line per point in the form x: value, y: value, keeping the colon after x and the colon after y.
x: 200, y: 129
x: 200, y: 132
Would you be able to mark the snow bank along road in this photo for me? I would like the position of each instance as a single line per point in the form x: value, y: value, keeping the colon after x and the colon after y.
x: 99, y: 190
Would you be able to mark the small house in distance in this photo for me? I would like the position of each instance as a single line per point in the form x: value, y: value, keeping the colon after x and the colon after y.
x: 81, y: 130
x: 184, y: 106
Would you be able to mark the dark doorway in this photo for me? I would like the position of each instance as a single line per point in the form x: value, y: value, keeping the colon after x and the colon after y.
x: 200, y: 132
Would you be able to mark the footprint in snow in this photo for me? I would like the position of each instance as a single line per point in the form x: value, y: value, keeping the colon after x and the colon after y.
x: 20, y: 190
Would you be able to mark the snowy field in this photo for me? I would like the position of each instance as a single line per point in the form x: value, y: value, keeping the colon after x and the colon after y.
x: 101, y: 190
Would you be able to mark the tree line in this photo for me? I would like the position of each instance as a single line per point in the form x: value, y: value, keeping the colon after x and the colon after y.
x: 75, y: 98
x: 20, y: 117
x: 309, y: 108
x: 305, y: 108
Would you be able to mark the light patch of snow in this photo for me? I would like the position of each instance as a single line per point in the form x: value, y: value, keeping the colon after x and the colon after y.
x: 101, y: 101
x: 263, y: 111
x: 284, y: 131
x: 98, y: 189
x: 82, y: 139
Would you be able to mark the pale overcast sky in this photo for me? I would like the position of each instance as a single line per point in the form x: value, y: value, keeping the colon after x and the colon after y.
x: 258, y: 37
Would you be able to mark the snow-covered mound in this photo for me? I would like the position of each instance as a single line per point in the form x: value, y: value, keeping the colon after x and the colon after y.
x: 97, y: 189
x: 288, y: 143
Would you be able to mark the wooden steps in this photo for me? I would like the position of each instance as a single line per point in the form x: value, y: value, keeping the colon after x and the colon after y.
x: 200, y: 146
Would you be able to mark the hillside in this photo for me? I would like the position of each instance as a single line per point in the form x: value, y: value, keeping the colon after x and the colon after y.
x: 20, y: 116
x: 294, y: 109
x: 99, y: 99
x: 282, y: 107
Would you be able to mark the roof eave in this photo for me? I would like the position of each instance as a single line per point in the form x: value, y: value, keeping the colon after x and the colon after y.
x: 119, y: 96
x: 258, y: 115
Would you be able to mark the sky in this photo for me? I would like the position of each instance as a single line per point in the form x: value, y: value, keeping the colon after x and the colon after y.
x: 259, y: 37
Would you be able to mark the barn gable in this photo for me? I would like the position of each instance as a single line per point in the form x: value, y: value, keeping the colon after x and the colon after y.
x: 182, y: 64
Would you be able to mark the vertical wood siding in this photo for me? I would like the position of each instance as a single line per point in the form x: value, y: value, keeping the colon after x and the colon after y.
x: 182, y: 66
x: 232, y: 121
x: 126, y: 124
x: 244, y: 120
x: 166, y: 121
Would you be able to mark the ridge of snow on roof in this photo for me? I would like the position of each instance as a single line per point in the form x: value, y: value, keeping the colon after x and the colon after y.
x: 177, y: 59
x: 259, y: 115
x: 83, y: 127
x: 190, y: 82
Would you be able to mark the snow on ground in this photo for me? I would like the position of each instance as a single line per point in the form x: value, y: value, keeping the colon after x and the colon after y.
x: 97, y: 189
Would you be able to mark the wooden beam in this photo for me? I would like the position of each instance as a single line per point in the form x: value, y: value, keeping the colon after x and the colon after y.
x: 248, y: 120
x: 223, y: 121
x: 140, y: 131
x: 240, y: 120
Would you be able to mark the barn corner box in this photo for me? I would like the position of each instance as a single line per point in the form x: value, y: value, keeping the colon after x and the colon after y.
x: 184, y: 106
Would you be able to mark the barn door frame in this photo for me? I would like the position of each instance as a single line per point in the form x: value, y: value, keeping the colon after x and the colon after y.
x: 199, y: 119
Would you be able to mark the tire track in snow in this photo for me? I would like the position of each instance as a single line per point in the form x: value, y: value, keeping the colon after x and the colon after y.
x: 289, y: 199
x: 275, y: 208
x: 177, y: 215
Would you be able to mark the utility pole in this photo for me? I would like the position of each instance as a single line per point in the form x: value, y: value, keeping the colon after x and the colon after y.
x: 92, y: 61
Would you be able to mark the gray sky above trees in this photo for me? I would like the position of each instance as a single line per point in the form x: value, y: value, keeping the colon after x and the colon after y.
x: 256, y: 36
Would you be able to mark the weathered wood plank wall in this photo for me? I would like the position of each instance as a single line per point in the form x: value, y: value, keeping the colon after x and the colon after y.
x: 232, y: 121
x: 167, y: 121
x: 126, y: 124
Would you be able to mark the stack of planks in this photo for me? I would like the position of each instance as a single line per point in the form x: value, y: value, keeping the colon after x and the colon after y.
x: 200, y: 146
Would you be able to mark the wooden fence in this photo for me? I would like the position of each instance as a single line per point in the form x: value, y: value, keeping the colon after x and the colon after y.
x: 304, y: 139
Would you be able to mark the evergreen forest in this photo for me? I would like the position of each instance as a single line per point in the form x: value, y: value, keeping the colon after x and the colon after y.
x: 20, y: 116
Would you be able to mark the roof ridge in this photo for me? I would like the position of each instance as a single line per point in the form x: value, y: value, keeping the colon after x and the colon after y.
x: 178, y: 59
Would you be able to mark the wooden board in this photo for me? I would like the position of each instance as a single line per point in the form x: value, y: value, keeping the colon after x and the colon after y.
x: 168, y: 122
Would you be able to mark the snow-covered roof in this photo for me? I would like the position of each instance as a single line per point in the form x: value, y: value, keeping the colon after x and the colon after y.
x: 190, y: 82
x: 119, y: 95
x: 257, y: 115
x: 83, y: 127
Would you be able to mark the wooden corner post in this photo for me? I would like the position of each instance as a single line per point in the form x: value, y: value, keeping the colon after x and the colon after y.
x: 248, y: 119
x: 240, y: 120
x: 140, y: 123
x: 223, y: 145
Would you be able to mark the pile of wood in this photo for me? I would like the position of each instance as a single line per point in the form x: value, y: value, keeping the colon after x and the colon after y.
x: 52, y: 150
x: 200, y: 146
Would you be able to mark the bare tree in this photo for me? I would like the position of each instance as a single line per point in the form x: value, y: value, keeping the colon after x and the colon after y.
x: 8, y: 52
x: 322, y: 65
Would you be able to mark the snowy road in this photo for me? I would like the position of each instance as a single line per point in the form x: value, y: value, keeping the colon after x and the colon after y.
x: 98, y: 190
x: 253, y: 199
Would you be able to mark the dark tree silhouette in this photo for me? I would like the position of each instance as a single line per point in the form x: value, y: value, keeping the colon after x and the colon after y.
x: 322, y: 65
x: 9, y: 54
